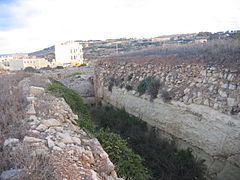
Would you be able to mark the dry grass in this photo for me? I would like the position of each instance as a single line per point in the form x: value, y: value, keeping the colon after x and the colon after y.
x: 13, y: 105
x: 34, y: 166
x: 218, y: 53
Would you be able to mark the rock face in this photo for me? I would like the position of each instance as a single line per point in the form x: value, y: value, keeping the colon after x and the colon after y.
x: 83, y: 84
x: 52, y: 131
x: 13, y: 174
x: 200, y: 115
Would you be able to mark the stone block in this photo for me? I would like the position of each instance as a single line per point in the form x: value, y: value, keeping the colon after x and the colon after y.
x: 36, y: 90
x: 10, y: 141
x: 51, y: 123
x: 31, y: 139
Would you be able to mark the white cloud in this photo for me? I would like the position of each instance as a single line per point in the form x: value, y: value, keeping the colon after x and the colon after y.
x: 46, y: 22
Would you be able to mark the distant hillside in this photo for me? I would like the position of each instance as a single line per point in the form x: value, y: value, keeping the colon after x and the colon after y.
x: 47, y: 53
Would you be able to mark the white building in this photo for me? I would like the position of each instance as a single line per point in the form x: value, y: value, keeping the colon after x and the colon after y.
x: 69, y: 52
x: 21, y: 64
x: 4, y: 62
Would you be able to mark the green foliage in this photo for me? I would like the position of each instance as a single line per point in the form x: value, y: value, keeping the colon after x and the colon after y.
x: 46, y: 68
x: 129, y: 164
x: 76, y: 103
x: 236, y: 35
x: 59, y: 67
x: 31, y: 70
x: 83, y: 65
x: 149, y: 85
x: 143, y: 84
x: 162, y: 158
x: 153, y: 88
x: 130, y: 76
x: 118, y: 120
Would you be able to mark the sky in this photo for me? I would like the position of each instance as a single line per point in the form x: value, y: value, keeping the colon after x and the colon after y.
x: 30, y: 25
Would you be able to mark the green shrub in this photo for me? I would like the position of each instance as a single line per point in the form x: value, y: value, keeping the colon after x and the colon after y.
x: 162, y: 158
x: 129, y: 164
x: 130, y: 76
x: 31, y: 70
x: 153, y: 88
x: 149, y: 85
x: 59, y: 67
x: 83, y: 65
x: 74, y: 100
x: 143, y: 85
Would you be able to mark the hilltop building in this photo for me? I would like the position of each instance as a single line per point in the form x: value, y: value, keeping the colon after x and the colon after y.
x: 69, y: 52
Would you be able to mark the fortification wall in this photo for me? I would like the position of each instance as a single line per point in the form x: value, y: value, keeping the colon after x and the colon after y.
x: 203, y: 114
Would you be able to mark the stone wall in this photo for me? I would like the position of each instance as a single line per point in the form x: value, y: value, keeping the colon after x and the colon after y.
x: 83, y: 84
x: 54, y: 131
x: 203, y: 114
x: 67, y: 72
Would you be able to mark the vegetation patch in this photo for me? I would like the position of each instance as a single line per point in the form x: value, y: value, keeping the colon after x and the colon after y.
x: 13, y: 125
x: 163, y: 160
x: 149, y: 85
x: 31, y: 70
x: 130, y: 76
x: 59, y: 67
x: 128, y: 164
x: 143, y: 85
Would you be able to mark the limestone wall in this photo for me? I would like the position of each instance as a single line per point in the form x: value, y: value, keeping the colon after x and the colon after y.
x: 67, y: 72
x: 83, y: 84
x: 53, y: 131
x: 203, y: 113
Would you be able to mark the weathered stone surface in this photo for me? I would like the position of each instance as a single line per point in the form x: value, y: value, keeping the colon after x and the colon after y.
x: 36, y: 90
x: 13, y: 174
x: 50, y: 143
x: 51, y: 123
x: 229, y: 172
x: 202, y: 121
x: 41, y: 127
x: 31, y: 139
x: 83, y: 84
x: 10, y: 141
x: 31, y: 109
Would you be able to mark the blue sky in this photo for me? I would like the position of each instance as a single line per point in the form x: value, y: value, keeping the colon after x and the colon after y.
x: 29, y: 25
x: 6, y: 17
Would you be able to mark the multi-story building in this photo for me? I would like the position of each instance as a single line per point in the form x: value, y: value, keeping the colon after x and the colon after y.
x: 20, y: 64
x: 69, y: 52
